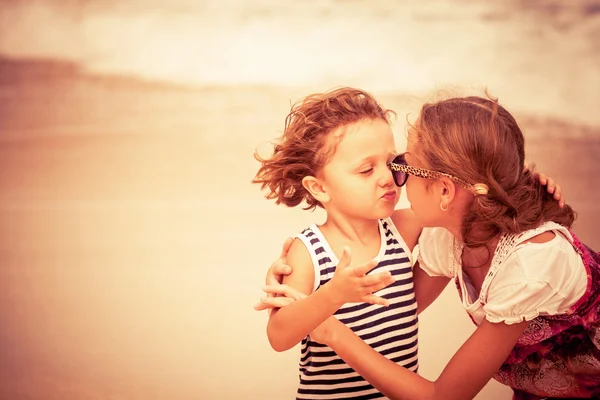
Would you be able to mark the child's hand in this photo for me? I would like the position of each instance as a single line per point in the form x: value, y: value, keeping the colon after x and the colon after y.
x: 352, y: 284
x: 276, y: 271
x: 553, y: 188
x: 279, y: 268
x: 286, y: 295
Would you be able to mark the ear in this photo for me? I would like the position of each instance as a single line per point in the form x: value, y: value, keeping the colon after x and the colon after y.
x: 447, y: 190
x: 316, y: 188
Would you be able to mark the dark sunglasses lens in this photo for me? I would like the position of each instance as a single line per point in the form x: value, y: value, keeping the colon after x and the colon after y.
x: 399, y: 176
x: 399, y: 159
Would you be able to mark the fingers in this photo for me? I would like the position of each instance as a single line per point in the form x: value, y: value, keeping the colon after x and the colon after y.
x: 286, y: 247
x: 270, y: 301
x: 382, y: 280
x: 362, y: 270
x: 380, y: 284
x: 378, y: 279
x: 280, y: 268
x: 559, y: 197
x: 284, y: 290
x: 550, y: 185
x: 275, y: 274
x: 557, y: 192
x: 273, y: 302
x: 553, y: 188
x: 261, y: 306
x: 345, y: 258
x: 372, y: 299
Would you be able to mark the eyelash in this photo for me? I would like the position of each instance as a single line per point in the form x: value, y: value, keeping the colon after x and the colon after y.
x: 368, y: 171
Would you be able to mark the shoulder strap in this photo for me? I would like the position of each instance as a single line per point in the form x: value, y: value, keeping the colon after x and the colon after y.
x: 389, y: 228
x: 317, y: 251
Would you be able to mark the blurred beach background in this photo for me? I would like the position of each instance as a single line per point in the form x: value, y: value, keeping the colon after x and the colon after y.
x: 133, y: 245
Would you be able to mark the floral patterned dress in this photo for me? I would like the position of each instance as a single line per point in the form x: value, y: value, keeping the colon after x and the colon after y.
x: 559, y: 356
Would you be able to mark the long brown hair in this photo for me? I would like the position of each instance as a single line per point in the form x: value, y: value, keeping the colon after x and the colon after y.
x: 479, y: 141
x: 303, y: 149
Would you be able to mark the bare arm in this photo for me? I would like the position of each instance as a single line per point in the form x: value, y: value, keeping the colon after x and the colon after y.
x: 408, y: 226
x: 464, y: 376
x: 427, y: 288
x: 289, y: 325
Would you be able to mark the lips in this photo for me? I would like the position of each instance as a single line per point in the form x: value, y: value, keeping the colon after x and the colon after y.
x: 390, y: 195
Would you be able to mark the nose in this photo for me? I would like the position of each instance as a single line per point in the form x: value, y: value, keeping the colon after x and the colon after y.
x: 386, y: 179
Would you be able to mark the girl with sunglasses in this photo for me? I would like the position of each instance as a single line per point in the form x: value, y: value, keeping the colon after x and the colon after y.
x: 529, y: 285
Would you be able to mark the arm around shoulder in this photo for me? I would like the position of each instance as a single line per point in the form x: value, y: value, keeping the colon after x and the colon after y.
x: 427, y: 288
x: 301, y: 279
x: 303, y: 275
x: 462, y: 378
x: 289, y: 325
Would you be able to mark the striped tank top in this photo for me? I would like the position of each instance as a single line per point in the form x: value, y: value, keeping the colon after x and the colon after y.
x: 391, y: 331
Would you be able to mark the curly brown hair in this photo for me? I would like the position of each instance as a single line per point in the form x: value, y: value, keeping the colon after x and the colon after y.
x: 303, y: 148
x: 479, y: 141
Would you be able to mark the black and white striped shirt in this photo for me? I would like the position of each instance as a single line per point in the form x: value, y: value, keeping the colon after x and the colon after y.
x: 392, y: 331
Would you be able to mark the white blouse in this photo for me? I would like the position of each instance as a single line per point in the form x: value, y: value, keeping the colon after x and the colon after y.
x: 524, y: 280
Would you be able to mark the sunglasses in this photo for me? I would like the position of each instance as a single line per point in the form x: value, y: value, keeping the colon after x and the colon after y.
x: 400, y: 171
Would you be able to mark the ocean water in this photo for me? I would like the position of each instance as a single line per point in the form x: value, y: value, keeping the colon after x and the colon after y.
x: 538, y: 56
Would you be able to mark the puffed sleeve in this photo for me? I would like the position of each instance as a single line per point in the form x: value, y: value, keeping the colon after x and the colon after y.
x: 435, y: 252
x: 520, y: 301
x: 536, y: 280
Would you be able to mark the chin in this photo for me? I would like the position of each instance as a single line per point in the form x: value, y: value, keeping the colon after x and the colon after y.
x: 387, y: 213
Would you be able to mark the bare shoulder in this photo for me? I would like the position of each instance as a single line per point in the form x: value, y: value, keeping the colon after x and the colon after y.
x: 408, y: 226
x: 298, y: 255
x: 303, y: 274
x: 542, y: 237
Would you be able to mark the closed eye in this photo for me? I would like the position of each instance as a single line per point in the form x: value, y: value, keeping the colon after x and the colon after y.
x: 366, y: 171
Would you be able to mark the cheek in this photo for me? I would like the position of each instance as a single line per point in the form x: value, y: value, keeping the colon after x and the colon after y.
x: 344, y: 187
x: 416, y: 193
x: 410, y: 189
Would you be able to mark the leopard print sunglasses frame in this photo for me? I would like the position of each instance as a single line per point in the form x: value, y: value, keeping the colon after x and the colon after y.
x: 400, y: 171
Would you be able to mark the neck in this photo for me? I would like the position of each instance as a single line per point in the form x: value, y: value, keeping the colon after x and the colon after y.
x: 454, y: 226
x: 351, y: 230
x: 478, y: 258
x: 455, y: 216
